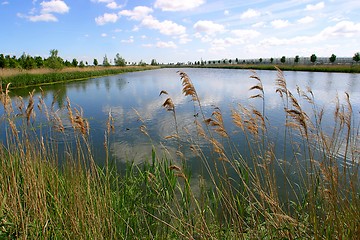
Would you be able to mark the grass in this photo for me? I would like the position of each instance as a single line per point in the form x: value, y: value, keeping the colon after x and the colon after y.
x: 41, y: 198
x: 19, y: 78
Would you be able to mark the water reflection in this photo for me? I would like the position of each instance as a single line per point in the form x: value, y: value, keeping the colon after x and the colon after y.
x: 133, y: 100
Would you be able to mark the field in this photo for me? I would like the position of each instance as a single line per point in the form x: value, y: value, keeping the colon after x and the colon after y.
x: 78, y: 199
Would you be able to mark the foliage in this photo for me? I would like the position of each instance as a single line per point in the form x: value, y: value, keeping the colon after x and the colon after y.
x: 313, y: 58
x: 106, y: 62
x: 95, y: 62
x: 282, y: 59
x: 332, y: 58
x: 119, y: 61
x: 54, y: 61
x: 297, y: 58
x: 356, y: 57
x: 74, y: 62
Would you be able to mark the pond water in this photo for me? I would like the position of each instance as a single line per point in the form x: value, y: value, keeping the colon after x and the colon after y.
x: 133, y: 100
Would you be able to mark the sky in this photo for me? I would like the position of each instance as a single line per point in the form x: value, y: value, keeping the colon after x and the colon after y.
x: 179, y: 30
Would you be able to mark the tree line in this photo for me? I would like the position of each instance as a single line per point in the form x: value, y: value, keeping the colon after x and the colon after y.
x: 54, y: 61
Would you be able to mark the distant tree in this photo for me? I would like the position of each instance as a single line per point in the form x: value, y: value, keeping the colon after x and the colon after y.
x: 2, y: 61
x: 219, y: 61
x: 236, y: 60
x: 153, y: 62
x: 296, y: 59
x: 106, y: 62
x: 54, y: 61
x: 230, y: 61
x: 283, y: 59
x: 67, y: 63
x: 260, y: 60
x: 356, y: 57
x: 39, y: 61
x: 11, y: 61
x: 142, y: 63
x: 224, y: 61
x: 87, y: 64
x: 26, y: 61
x: 74, y: 62
x: 313, y: 58
x: 271, y: 60
x: 81, y: 64
x: 332, y: 58
x: 119, y: 61
x: 95, y: 62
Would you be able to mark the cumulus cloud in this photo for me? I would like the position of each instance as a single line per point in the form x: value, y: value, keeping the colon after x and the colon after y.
x: 245, y: 33
x: 106, y: 18
x: 138, y: 13
x: 47, y: 11
x: 169, y: 44
x: 54, y: 6
x: 342, y: 29
x: 279, y: 23
x: 130, y: 40
x: 250, y: 13
x: 164, y: 27
x: 314, y: 7
x: 114, y: 5
x: 305, y: 20
x: 178, y: 5
x: 208, y: 27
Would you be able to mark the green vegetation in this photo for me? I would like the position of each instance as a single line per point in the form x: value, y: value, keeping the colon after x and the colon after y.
x: 31, y: 79
x: 237, y: 197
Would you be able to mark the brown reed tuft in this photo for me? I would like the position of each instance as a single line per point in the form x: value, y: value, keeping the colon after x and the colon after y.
x: 30, y: 107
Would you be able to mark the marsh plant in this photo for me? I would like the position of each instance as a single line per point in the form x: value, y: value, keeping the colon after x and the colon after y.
x: 242, y: 194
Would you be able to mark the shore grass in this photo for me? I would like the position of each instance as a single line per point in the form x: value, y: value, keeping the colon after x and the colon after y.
x: 34, y: 77
x: 284, y: 67
x: 78, y: 199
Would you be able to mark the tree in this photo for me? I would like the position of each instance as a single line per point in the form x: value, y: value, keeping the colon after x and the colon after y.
x: 296, y: 60
x: 313, y: 58
x: 356, y: 57
x: 332, y: 58
x: 26, y: 61
x: 271, y: 60
x: 153, y: 62
x: 54, y: 61
x: 236, y: 60
x: 81, y: 64
x: 283, y: 59
x: 260, y: 60
x: 106, y: 61
x: 95, y: 62
x: 119, y: 61
x: 39, y: 61
x: 74, y: 62
x: 2, y: 61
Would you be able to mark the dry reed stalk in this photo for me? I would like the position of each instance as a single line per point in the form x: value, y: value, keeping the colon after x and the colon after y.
x: 30, y: 107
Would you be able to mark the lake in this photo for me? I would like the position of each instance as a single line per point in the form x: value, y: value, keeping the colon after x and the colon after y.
x: 133, y: 101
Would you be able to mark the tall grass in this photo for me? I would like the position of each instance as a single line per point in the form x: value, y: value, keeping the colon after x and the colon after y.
x: 238, y: 197
x: 28, y: 78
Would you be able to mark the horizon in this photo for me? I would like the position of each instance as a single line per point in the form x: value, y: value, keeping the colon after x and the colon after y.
x: 180, y: 30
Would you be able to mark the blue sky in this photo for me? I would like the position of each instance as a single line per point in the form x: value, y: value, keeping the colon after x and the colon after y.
x: 179, y: 30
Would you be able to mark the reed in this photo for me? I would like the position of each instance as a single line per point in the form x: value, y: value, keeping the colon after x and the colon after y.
x: 238, y: 196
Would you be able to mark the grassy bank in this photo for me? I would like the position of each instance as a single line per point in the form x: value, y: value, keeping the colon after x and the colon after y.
x: 284, y: 67
x: 235, y: 198
x: 20, y: 79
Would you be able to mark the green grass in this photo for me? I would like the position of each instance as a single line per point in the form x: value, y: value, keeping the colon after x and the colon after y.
x: 24, y: 79
x: 41, y: 198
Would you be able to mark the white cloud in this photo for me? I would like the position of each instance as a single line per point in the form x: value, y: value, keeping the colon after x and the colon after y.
x: 106, y: 18
x: 245, y: 33
x: 279, y: 23
x: 342, y: 29
x: 5, y: 3
x: 178, y: 5
x: 54, y: 6
x: 183, y: 39
x: 169, y: 44
x: 114, y: 5
x: 305, y: 20
x: 226, y: 12
x: 46, y: 17
x: 250, y: 13
x: 165, y: 27
x: 139, y: 13
x: 104, y: 35
x: 313, y: 7
x: 130, y: 40
x: 208, y: 27
x: 258, y: 25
